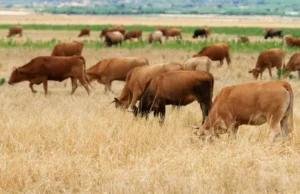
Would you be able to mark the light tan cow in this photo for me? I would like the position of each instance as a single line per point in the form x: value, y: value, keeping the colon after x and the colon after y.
x: 110, y: 69
x: 268, y: 59
x: 198, y: 63
x: 253, y: 103
x: 155, y: 36
x: 136, y: 82
x: 293, y: 65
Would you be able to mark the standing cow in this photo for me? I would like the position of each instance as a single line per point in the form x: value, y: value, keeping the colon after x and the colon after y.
x: 41, y: 69
x: 243, y: 39
x: 267, y: 60
x: 110, y: 69
x: 203, y: 32
x: 253, y: 103
x: 68, y: 49
x: 170, y: 32
x: 177, y: 88
x: 133, y: 34
x: 216, y: 52
x: 155, y: 36
x: 198, y: 63
x: 116, y: 28
x: 291, y: 41
x: 14, y: 30
x: 112, y: 38
x: 293, y: 65
x: 273, y: 32
x: 84, y: 32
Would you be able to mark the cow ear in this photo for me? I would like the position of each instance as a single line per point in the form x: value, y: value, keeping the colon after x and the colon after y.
x: 258, y: 69
x: 250, y: 71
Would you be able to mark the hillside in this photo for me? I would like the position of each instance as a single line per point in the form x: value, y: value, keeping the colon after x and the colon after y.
x: 226, y: 7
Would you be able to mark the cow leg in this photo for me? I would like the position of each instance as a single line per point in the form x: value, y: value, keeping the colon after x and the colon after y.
x: 74, y: 84
x: 221, y: 63
x: 204, y: 110
x: 299, y: 73
x: 84, y: 83
x: 31, y: 87
x: 162, y: 113
x: 274, y: 121
x: 108, y: 87
x: 270, y: 72
x: 45, y: 84
x: 135, y: 97
x: 284, y: 126
x: 261, y: 75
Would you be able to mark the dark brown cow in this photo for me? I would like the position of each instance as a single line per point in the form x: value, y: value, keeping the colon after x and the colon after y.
x: 41, y: 69
x: 112, y: 38
x: 170, y: 32
x: 201, y: 32
x: 84, y: 32
x: 267, y: 60
x: 133, y: 34
x: 291, y: 41
x: 216, y: 52
x: 14, y: 30
x: 177, y: 88
x: 118, y: 28
x: 253, y: 103
x: 273, y: 32
x: 110, y: 69
x: 136, y: 81
x: 68, y: 49
x: 293, y: 65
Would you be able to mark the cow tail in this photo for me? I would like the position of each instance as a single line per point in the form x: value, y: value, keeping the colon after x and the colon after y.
x: 84, y: 69
x: 290, y: 108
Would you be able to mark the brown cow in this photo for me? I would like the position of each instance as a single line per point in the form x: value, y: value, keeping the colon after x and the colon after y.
x: 14, y: 30
x: 198, y: 63
x: 177, y: 88
x: 268, y: 59
x: 291, y: 41
x: 110, y: 69
x: 68, y: 49
x: 118, y: 28
x: 41, y: 69
x: 170, y: 32
x: 216, y: 52
x: 133, y: 34
x: 136, y: 82
x: 273, y: 32
x: 155, y: 36
x: 252, y: 103
x: 112, y: 38
x: 84, y: 32
x: 243, y: 39
x: 293, y: 65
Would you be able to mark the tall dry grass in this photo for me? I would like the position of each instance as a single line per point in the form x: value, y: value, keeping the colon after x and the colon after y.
x: 82, y: 144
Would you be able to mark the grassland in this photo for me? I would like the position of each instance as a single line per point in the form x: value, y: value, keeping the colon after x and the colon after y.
x: 82, y: 144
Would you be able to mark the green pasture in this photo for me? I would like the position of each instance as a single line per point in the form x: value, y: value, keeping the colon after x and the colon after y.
x: 235, y: 46
x: 249, y: 31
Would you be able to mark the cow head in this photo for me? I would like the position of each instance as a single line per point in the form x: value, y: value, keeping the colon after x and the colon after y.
x: 17, y: 76
x: 123, y: 104
x: 255, y: 72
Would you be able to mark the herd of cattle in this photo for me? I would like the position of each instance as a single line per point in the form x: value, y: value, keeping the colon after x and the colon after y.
x: 172, y: 83
x: 117, y: 34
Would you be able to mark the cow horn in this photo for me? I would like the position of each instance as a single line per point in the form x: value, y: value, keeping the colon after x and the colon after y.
x: 194, y: 127
x: 112, y: 101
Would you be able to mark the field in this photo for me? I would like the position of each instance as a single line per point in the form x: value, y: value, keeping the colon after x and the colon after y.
x: 82, y: 144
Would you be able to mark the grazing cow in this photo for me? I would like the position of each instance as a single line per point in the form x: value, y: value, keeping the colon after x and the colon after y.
x: 177, y: 88
x: 273, y: 32
x: 252, y: 103
x: 84, y: 32
x: 268, y: 59
x: 170, y: 32
x: 41, y: 69
x: 243, y: 39
x: 136, y: 81
x: 293, y: 65
x: 155, y: 36
x: 68, y: 49
x: 110, y: 69
x: 198, y: 63
x: 291, y: 41
x: 216, y: 52
x: 133, y: 34
x: 112, y: 38
x: 116, y: 28
x: 14, y: 30
x: 201, y: 32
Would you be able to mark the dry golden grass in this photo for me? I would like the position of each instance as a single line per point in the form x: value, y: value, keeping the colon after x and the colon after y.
x: 82, y: 144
